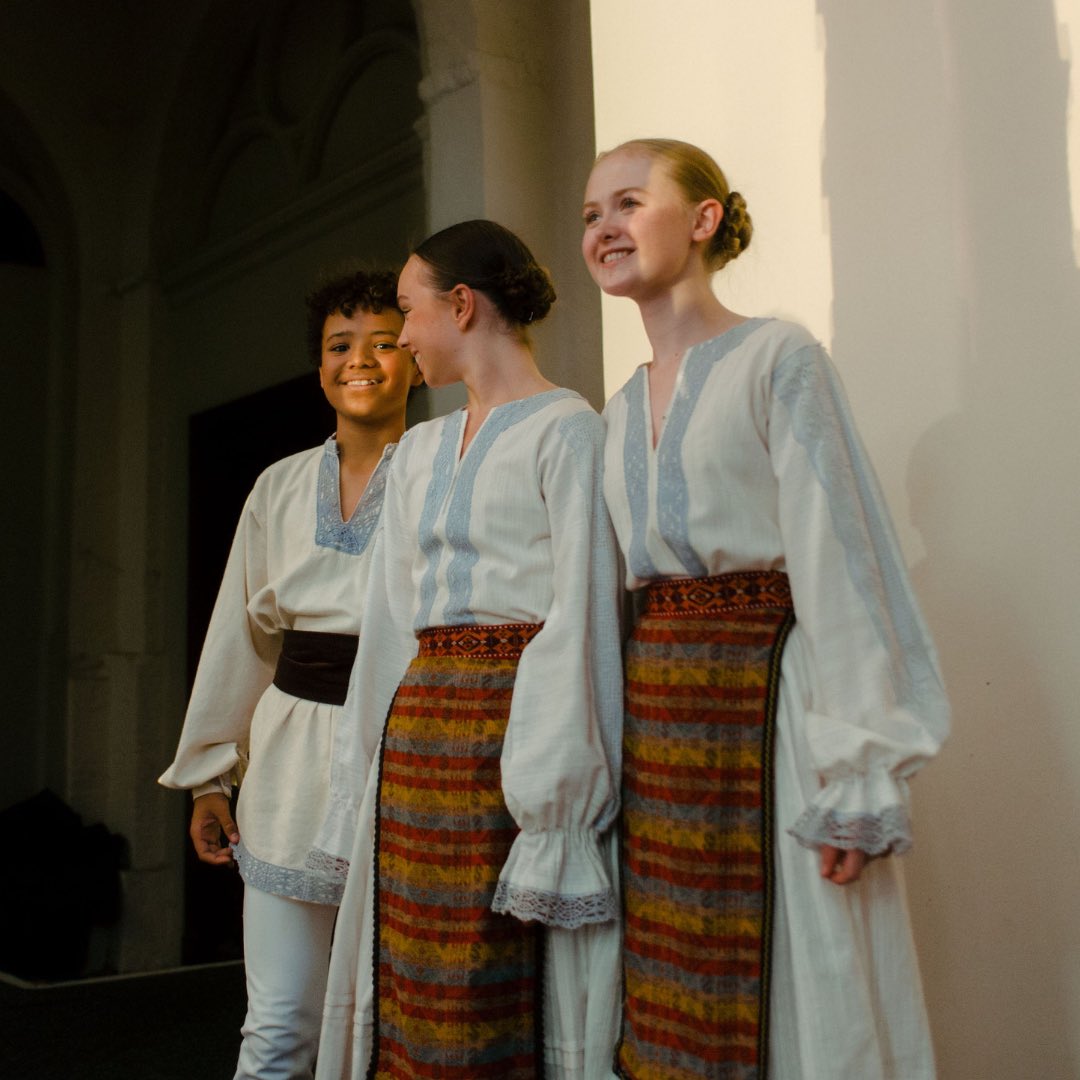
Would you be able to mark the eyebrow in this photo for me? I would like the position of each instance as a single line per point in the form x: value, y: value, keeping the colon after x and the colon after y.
x: 337, y: 334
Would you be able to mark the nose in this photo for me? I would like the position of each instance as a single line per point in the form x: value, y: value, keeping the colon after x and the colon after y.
x: 403, y: 339
x: 362, y: 357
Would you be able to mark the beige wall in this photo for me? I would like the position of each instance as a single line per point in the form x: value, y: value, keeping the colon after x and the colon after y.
x: 907, y: 168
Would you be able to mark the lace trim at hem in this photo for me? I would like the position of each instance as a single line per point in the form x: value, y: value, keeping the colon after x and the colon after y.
x: 554, y: 909
x: 304, y: 885
x: 327, y: 866
x: 876, y: 834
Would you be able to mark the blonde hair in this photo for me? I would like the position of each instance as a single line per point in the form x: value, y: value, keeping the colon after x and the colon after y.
x: 701, y: 178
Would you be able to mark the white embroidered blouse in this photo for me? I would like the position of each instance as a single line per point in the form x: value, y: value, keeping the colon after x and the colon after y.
x: 759, y: 467
x: 513, y: 530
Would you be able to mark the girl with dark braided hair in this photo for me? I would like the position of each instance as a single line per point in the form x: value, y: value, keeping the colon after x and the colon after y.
x: 485, y: 941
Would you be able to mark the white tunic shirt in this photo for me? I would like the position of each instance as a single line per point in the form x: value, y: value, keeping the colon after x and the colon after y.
x: 294, y: 564
x: 759, y: 467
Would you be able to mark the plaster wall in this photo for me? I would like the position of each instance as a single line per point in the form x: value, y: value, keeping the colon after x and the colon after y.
x: 907, y: 168
x: 508, y: 135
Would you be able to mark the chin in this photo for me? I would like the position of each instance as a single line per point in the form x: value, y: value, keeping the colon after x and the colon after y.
x: 617, y: 288
x: 435, y: 383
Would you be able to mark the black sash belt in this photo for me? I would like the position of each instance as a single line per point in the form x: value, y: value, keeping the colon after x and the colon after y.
x: 315, y: 666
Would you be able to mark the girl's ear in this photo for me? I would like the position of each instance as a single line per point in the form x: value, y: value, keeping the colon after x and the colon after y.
x: 707, y: 217
x: 463, y: 305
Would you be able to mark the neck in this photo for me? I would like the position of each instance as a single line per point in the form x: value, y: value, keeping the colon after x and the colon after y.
x: 360, y: 444
x: 501, y: 369
x: 683, y: 316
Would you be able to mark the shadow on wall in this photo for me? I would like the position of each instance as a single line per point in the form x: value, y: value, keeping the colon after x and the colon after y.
x: 63, y: 887
x: 947, y: 178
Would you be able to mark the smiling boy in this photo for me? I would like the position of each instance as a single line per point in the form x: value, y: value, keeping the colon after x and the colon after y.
x: 275, y: 667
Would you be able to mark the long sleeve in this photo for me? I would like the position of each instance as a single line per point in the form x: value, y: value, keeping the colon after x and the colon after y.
x: 387, y: 645
x: 878, y: 710
x: 561, y: 755
x: 235, y: 668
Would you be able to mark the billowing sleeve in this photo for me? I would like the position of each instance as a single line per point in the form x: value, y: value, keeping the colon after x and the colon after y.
x: 387, y: 645
x: 235, y: 668
x: 562, y: 752
x: 878, y: 707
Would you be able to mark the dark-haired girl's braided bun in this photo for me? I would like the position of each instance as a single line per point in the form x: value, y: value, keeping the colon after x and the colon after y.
x: 488, y: 257
x: 524, y: 294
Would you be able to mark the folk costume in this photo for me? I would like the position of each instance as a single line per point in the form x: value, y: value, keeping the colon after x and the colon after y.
x: 781, y: 690
x: 478, y: 935
x: 267, y: 698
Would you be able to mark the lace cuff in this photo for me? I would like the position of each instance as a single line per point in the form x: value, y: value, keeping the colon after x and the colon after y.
x: 864, y: 812
x: 556, y: 877
x: 329, y: 867
x: 551, y: 909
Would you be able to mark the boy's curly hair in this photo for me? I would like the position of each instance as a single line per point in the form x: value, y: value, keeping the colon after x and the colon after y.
x: 364, y: 290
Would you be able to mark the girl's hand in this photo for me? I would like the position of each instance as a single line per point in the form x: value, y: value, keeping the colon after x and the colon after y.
x: 840, y: 865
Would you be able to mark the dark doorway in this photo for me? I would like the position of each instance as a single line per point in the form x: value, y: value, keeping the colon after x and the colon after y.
x: 228, y: 447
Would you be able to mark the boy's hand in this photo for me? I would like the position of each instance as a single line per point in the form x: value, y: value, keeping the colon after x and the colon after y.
x: 210, y: 817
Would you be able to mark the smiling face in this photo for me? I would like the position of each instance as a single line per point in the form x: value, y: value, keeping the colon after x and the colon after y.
x: 639, y: 235
x: 364, y: 373
x: 429, y: 332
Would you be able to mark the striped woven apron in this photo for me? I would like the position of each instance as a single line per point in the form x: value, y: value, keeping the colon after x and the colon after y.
x: 702, y: 673
x: 457, y: 987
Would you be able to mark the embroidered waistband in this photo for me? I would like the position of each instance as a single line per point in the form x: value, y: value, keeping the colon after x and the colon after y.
x: 501, y: 641
x: 749, y: 590
x: 315, y: 665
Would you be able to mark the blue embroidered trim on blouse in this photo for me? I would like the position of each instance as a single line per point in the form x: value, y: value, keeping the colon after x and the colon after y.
x: 442, y: 476
x: 307, y: 885
x: 806, y: 384
x: 459, y: 512
x: 672, y: 493
x: 353, y: 536
x: 636, y: 475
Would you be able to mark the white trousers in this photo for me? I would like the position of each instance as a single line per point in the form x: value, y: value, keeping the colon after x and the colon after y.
x: 286, y: 956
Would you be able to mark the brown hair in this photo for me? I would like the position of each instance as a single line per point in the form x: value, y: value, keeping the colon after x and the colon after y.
x: 701, y: 178
x: 488, y: 257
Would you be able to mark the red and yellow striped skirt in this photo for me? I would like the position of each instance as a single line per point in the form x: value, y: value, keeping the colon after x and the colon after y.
x: 457, y: 992
x: 702, y: 674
